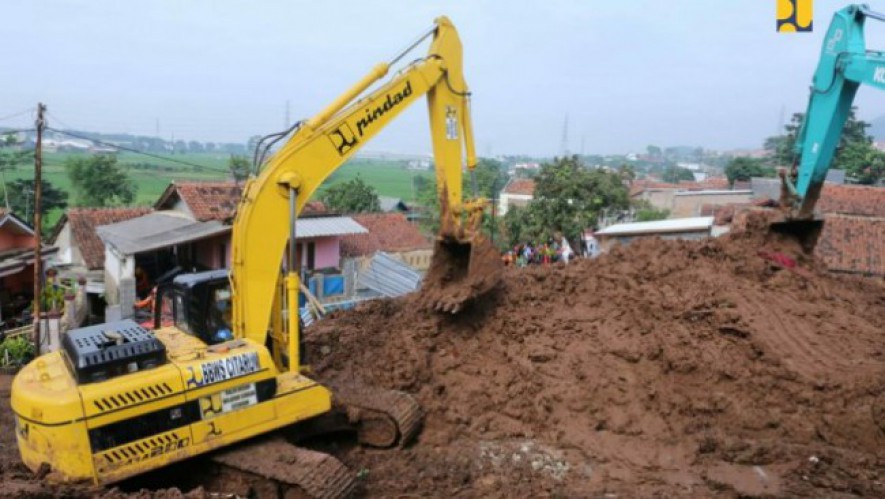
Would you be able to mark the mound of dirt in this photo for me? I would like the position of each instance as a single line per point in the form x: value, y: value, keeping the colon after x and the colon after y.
x: 666, y: 367
x: 731, y: 367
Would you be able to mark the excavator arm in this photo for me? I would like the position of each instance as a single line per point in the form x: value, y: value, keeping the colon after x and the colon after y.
x: 322, y: 144
x: 844, y: 65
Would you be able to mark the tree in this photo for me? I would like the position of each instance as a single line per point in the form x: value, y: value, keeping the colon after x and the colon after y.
x: 744, y: 168
x: 645, y: 212
x: 568, y: 198
x: 353, y: 196
x: 21, y: 197
x: 675, y: 174
x: 9, y: 160
x: 627, y: 173
x: 653, y: 151
x: 240, y: 167
x: 99, y: 181
x: 855, y: 153
x: 490, y: 179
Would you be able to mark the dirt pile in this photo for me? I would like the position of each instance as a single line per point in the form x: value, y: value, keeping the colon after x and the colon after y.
x: 667, y: 367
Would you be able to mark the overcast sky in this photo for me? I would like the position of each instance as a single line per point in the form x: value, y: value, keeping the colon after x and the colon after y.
x: 627, y: 73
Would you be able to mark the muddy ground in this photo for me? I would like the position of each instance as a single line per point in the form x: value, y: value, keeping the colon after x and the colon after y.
x: 668, y: 368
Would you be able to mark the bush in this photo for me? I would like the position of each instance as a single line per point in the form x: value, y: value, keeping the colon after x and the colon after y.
x: 16, y: 351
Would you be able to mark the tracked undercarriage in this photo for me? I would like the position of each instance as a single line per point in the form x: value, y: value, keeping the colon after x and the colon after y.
x: 274, y: 467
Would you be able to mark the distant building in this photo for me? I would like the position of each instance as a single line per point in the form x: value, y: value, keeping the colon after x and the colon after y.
x: 688, y: 199
x: 517, y: 192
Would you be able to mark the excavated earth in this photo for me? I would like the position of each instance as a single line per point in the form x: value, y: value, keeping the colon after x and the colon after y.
x: 666, y: 368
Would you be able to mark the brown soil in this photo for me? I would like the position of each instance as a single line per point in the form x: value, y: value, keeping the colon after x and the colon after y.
x: 667, y: 368
x: 460, y: 272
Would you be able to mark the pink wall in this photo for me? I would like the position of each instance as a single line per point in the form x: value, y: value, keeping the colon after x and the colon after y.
x: 327, y: 252
x: 207, y: 252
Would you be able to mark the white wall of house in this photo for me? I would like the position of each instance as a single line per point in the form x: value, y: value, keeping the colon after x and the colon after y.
x: 506, y: 201
x: 68, y: 253
x: 181, y: 207
x: 119, y: 281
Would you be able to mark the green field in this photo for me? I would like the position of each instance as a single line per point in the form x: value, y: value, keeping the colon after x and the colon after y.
x: 152, y: 175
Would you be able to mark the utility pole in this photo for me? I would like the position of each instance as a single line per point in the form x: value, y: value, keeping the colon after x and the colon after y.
x: 38, y: 257
x: 564, y: 145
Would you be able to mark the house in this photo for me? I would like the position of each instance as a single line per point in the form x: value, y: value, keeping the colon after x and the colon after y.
x: 691, y: 203
x: 518, y: 192
x: 687, y: 199
x: 80, y: 250
x: 18, y: 242
x: 391, y: 233
x: 853, y: 244
x: 680, y: 228
x: 389, y: 204
x: 853, y: 236
x: 190, y: 230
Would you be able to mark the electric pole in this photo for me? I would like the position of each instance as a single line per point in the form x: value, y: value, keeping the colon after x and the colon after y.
x: 38, y: 257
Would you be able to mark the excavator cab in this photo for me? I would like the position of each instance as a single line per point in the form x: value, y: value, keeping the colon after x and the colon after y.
x: 198, y: 304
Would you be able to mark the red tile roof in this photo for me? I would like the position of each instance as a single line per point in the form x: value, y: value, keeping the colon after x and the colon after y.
x: 215, y: 200
x: 853, y: 244
x: 390, y: 232
x: 205, y: 200
x: 713, y: 183
x: 83, y: 222
x: 520, y: 186
x: 852, y: 200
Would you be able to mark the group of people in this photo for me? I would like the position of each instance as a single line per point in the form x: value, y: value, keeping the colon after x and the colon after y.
x: 556, y: 249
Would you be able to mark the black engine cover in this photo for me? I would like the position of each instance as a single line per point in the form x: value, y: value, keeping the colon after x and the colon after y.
x: 103, y: 351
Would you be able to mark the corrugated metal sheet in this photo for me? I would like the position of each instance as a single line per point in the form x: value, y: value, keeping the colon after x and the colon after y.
x: 389, y: 276
x: 157, y: 230
x: 327, y: 226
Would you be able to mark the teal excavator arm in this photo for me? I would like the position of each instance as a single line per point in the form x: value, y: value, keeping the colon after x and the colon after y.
x: 844, y: 65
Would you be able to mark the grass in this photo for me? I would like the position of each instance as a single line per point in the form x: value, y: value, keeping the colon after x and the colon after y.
x: 153, y: 175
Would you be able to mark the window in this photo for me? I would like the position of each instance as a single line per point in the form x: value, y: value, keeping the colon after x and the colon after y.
x: 180, y: 312
x: 311, y: 255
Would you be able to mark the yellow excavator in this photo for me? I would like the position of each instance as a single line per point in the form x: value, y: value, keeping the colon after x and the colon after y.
x: 118, y: 400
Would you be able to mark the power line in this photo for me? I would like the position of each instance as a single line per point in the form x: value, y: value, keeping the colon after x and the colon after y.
x: 16, y: 115
x: 19, y: 130
x: 136, y: 151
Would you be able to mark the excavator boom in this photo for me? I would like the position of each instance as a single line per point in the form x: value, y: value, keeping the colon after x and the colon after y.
x: 845, y: 64
x: 323, y: 143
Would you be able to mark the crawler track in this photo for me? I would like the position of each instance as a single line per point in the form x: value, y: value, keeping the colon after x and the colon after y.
x: 273, y: 468
x: 383, y: 418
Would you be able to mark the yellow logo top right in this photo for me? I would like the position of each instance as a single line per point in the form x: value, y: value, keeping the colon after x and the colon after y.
x: 795, y: 16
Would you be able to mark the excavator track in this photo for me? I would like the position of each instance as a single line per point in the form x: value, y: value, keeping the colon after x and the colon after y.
x: 273, y: 468
x: 383, y: 418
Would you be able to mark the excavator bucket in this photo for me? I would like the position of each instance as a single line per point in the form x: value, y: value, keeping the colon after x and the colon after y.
x: 806, y: 232
x: 798, y: 224
x: 465, y: 265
